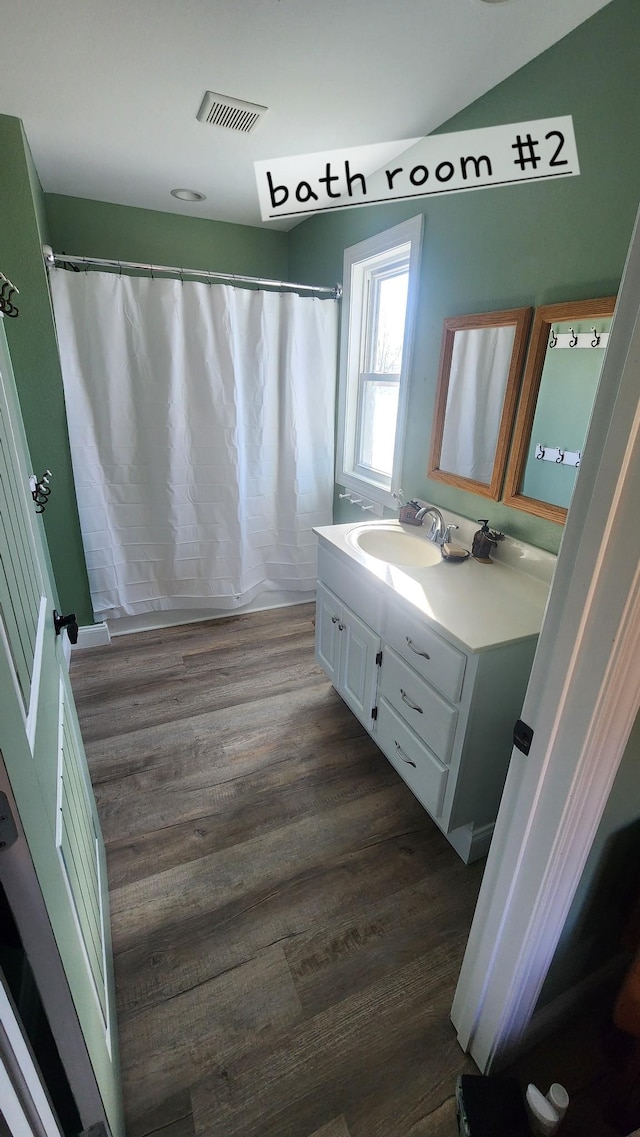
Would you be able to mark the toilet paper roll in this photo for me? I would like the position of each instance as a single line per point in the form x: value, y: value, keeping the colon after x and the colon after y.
x: 543, y: 1115
x: 558, y: 1098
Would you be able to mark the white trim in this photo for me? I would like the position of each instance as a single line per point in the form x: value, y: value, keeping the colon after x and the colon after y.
x: 36, y: 671
x: 102, y: 892
x: 93, y: 635
x: 25, y: 1105
x: 408, y: 232
x: 471, y: 842
x: 582, y: 701
x: 156, y: 621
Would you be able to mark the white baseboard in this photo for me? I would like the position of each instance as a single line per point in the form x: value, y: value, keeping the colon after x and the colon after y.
x: 471, y: 842
x: 93, y: 635
x: 155, y: 621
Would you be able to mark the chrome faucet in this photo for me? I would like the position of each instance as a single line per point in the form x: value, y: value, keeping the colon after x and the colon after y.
x: 437, y: 530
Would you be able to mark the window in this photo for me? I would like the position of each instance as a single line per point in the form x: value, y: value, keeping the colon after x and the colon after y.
x: 380, y: 286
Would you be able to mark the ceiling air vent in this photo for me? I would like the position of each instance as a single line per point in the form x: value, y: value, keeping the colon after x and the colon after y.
x: 235, y: 114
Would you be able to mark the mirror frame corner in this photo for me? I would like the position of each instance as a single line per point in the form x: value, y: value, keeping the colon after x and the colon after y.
x: 544, y: 318
x: 521, y: 317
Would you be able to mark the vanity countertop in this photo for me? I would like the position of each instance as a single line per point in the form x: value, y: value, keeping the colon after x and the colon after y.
x: 480, y: 605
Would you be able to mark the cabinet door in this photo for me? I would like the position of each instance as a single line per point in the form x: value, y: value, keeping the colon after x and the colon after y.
x: 358, y: 670
x: 328, y: 623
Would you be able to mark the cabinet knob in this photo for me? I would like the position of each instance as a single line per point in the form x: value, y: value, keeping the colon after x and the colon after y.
x: 334, y: 619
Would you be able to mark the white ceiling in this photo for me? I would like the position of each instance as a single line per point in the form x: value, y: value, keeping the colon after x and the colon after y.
x: 108, y: 90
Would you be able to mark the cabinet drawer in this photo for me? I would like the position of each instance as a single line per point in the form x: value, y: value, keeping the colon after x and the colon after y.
x: 435, y: 659
x: 429, y: 715
x: 421, y: 770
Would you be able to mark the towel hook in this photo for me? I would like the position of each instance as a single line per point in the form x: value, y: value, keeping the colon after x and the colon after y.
x: 574, y: 338
x: 6, y: 307
x: 553, y: 339
x: 595, y: 342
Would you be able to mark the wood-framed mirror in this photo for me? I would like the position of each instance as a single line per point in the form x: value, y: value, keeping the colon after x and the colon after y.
x: 481, y: 361
x: 561, y: 377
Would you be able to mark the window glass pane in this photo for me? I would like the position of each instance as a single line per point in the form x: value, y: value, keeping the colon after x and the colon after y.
x: 388, y: 326
x: 378, y: 413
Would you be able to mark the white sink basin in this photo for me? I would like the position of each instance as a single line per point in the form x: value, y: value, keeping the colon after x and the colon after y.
x: 395, y: 546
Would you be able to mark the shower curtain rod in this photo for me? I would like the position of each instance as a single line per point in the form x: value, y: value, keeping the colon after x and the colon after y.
x: 52, y: 259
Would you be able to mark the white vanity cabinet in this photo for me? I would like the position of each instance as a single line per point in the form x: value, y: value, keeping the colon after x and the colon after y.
x: 442, y: 713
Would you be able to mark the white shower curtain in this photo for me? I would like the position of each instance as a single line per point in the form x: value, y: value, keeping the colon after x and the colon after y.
x: 201, y: 422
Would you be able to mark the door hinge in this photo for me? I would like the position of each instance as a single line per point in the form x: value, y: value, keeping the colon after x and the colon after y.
x: 522, y: 736
x: 374, y: 712
x: 8, y: 827
x: 379, y: 659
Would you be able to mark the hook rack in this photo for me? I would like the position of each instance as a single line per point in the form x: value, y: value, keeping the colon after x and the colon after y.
x: 365, y: 506
x: 558, y: 455
x: 7, y: 290
x: 576, y: 340
x: 40, y: 490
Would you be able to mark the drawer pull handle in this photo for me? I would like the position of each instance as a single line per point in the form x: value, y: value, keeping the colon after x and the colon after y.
x: 403, y: 756
x: 407, y: 700
x: 424, y: 654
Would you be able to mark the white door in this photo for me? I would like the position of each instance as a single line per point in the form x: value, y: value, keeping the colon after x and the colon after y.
x: 54, y: 875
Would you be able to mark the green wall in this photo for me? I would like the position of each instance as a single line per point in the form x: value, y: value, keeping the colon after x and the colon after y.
x: 119, y: 232
x: 514, y: 245
x: 34, y: 353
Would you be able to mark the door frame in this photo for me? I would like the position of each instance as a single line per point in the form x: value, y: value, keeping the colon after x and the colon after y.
x: 23, y: 1095
x: 582, y: 699
x: 20, y: 882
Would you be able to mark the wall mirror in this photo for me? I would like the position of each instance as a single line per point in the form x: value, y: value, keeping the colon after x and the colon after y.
x: 480, y: 366
x: 567, y: 348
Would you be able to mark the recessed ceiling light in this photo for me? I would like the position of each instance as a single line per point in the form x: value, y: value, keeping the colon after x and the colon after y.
x: 188, y: 195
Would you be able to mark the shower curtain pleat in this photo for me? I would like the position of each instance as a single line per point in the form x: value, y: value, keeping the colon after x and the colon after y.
x: 201, y: 423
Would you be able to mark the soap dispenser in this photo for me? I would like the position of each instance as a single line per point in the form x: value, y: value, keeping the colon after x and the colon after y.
x: 484, y: 541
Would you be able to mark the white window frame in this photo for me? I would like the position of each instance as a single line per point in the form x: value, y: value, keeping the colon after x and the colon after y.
x: 375, y: 254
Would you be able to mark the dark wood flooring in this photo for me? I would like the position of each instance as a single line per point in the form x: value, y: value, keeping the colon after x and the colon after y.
x: 288, y: 924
